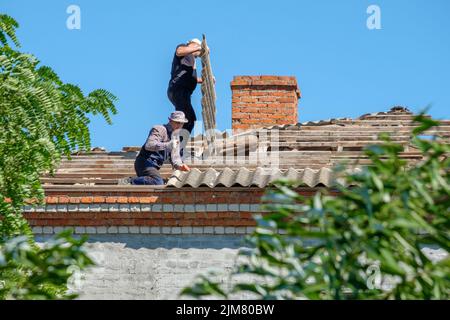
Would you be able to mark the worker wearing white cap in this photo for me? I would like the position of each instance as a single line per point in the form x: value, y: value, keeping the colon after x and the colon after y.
x: 183, y: 80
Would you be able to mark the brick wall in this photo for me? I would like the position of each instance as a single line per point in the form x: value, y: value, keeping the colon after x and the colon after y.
x: 150, y: 245
x: 260, y: 101
x: 166, y: 211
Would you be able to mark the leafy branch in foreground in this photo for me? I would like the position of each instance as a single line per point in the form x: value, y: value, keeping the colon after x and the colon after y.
x: 369, y: 242
x: 8, y: 28
x: 41, y: 119
x: 43, y: 273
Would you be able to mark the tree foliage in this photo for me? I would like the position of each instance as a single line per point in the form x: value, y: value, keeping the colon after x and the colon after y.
x: 30, y: 273
x: 366, y: 243
x: 42, y: 119
x: 8, y: 30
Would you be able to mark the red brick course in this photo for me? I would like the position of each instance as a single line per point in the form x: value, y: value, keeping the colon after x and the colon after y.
x: 263, y: 101
x: 237, y: 219
x: 117, y: 217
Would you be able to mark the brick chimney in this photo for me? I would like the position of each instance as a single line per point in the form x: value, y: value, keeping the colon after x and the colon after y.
x: 260, y: 101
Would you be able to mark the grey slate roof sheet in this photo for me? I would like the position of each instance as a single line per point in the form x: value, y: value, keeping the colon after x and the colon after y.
x: 244, y: 177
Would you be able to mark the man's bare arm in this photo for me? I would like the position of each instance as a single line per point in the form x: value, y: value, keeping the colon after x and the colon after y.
x: 187, y: 50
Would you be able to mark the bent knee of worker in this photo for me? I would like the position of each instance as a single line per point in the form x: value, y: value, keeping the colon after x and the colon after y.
x: 180, y: 96
x: 147, y: 180
x: 152, y: 175
x: 172, y: 97
x: 154, y: 180
x: 190, y: 114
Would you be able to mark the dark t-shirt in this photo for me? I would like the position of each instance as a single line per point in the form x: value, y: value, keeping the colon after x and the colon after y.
x: 183, y: 74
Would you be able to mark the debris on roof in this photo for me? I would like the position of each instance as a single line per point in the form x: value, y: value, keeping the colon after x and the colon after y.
x: 306, y: 152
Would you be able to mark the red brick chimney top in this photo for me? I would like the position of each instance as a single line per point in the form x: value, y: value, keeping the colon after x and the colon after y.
x: 260, y: 101
x: 265, y: 81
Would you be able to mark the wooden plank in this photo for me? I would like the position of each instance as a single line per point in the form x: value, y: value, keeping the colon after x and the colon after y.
x: 98, y: 188
x: 79, y: 181
x: 369, y: 126
x: 208, y: 91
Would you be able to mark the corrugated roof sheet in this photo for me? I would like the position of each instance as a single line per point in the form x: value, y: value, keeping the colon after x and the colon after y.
x: 261, y: 177
x: 397, y: 110
x: 393, y: 112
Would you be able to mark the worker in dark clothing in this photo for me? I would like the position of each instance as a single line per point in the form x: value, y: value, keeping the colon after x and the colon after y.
x: 183, y: 80
x: 161, y: 145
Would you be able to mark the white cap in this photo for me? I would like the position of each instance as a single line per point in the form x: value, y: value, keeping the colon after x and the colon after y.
x: 195, y: 40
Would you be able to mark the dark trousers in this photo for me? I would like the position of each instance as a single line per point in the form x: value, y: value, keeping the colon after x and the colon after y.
x: 181, y: 99
x: 146, y: 175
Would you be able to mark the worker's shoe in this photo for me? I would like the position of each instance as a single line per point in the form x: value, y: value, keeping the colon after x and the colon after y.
x: 124, y: 181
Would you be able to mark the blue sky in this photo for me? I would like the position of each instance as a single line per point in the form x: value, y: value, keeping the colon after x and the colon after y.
x: 343, y: 68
